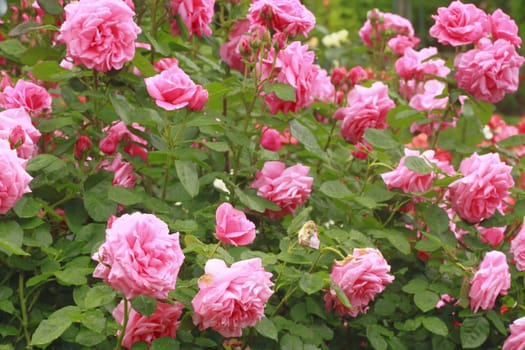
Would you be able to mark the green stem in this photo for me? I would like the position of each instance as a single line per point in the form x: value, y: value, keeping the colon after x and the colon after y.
x: 23, y: 309
x: 214, y: 250
x: 124, y: 325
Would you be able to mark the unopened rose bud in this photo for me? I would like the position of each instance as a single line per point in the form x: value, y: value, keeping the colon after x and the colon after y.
x: 17, y: 137
x: 307, y: 235
x: 83, y: 143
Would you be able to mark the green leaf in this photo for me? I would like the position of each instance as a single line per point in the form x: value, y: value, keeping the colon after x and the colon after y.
x: 436, y: 218
x: 373, y: 333
x: 381, y: 139
x: 94, y: 320
x: 343, y: 299
x: 144, y: 304
x: 89, y: 338
x: 11, y: 238
x: 12, y: 48
x: 55, y: 123
x: 51, y: 6
x: 311, y: 283
x: 23, y: 28
x: 165, y: 343
x: 418, y: 164
x: 426, y: 300
x: 298, y: 221
x: 427, y: 245
x: 254, y: 202
x: 47, y: 163
x: 188, y: 176
x: 124, y: 196
x: 496, y: 321
x: 403, y: 116
x: 57, y: 323
x: 51, y: 71
x: 217, y: 146
x: 73, y: 276
x: 98, y: 296
x: 335, y: 189
x: 474, y: 332
x: 266, y: 328
x: 291, y: 342
x: 512, y: 141
x: 122, y: 107
x: 305, y: 137
x: 97, y: 204
x: 143, y: 65
x: 284, y: 92
x: 7, y: 306
x: 435, y: 325
x: 399, y: 240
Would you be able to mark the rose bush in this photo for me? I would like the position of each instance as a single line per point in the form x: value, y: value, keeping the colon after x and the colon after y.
x: 229, y: 174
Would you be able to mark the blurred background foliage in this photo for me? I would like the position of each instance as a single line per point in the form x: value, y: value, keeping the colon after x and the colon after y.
x: 336, y: 15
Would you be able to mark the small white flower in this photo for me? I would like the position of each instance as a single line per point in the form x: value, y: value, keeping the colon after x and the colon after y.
x: 220, y: 185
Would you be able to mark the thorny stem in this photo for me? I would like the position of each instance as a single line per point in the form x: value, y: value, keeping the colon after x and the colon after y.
x: 124, y: 325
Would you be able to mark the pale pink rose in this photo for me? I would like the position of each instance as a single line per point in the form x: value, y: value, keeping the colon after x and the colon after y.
x: 123, y: 172
x: 504, y: 27
x: 418, y: 65
x: 454, y: 228
x: 130, y: 4
x: 14, y: 180
x: 25, y: 94
x: 460, y: 24
x: 288, y: 188
x: 381, y: 26
x: 490, y: 70
x: 322, y: 88
x: 361, y: 276
x: 231, y: 298
x: 271, y: 139
x: 408, y: 180
x: 164, y: 322
x: 400, y: 43
x: 517, y: 248
x: 285, y: 16
x: 16, y: 127
x: 485, y: 184
x: 516, y: 339
x: 428, y: 100
x: 139, y: 256
x: 165, y: 63
x: 231, y: 51
x: 294, y: 66
x: 368, y: 109
x: 232, y: 226
x: 119, y: 133
x: 195, y: 14
x: 99, y: 34
x: 491, y: 279
x: 444, y: 299
x: 173, y: 89
x: 492, y: 235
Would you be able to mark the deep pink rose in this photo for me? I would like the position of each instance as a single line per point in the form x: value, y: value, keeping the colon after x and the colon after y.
x: 17, y: 128
x: 231, y: 298
x: 164, y: 322
x: 24, y: 94
x: 99, y: 34
x: 232, y: 226
x: 123, y: 172
x: 361, y: 276
x: 294, y: 66
x: 368, y: 109
x: 517, y: 248
x: 491, y: 279
x: 230, y: 52
x: 382, y: 26
x: 485, y: 184
x: 271, y: 139
x: 492, y: 235
x: 400, y: 43
x: 504, y: 27
x: 460, y: 24
x: 516, y: 339
x: 139, y: 256
x: 490, y: 70
x: 82, y: 145
x: 173, y: 89
x: 286, y: 16
x: 195, y: 14
x: 14, y: 179
x: 408, y: 180
x: 288, y: 188
x: 119, y: 133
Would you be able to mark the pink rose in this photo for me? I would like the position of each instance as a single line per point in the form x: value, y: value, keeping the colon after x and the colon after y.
x: 124, y: 176
x: 195, y: 14
x: 82, y: 145
x: 492, y: 235
x: 230, y: 52
x: 418, y: 65
x: 428, y: 100
x: 516, y: 339
x: 139, y: 256
x: 14, y: 179
x: 361, y: 276
x: 504, y: 27
x: 230, y: 299
x: 460, y: 24
x: 485, y: 183
x: 322, y: 88
x: 408, y: 180
x: 368, y: 109
x: 381, y: 26
x: 164, y: 322
x: 294, y: 66
x: 165, y: 63
x: 99, y: 34
x: 232, y: 226
x: 491, y: 279
x: 133, y: 145
x: 173, y: 89
x: 24, y: 94
x: 288, y: 188
x: 271, y: 139
x: 286, y: 16
x: 17, y: 128
x: 400, y: 43
x: 517, y: 248
x: 490, y: 70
